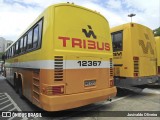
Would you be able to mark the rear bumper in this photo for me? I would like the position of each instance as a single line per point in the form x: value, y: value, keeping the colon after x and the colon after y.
x: 56, y: 103
x: 122, y: 82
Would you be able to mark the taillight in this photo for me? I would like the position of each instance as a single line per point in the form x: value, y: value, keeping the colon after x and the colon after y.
x: 135, y: 58
x: 135, y: 74
x: 158, y: 69
x: 111, y: 83
x: 54, y: 90
x: 58, y: 89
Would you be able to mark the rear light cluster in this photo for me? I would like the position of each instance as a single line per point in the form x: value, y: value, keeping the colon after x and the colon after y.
x: 159, y: 70
x: 136, y: 66
x: 135, y: 74
x: 111, y: 83
x: 54, y: 90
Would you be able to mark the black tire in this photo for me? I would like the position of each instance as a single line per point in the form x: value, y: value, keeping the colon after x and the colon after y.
x: 20, y: 89
x: 15, y: 85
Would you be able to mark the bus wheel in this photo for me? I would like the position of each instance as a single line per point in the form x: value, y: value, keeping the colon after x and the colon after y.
x: 20, y: 89
x: 15, y: 85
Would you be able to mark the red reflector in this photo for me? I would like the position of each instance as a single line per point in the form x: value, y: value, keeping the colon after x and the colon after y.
x: 58, y: 89
x: 111, y: 83
x: 135, y: 74
x: 135, y: 58
x: 158, y: 69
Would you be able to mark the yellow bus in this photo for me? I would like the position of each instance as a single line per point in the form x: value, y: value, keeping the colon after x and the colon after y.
x: 157, y: 39
x: 63, y: 60
x: 134, y: 55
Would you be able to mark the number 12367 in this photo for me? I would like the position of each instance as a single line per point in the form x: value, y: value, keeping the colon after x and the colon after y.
x: 89, y: 63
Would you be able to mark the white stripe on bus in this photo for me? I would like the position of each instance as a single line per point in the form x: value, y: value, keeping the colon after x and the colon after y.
x: 49, y: 64
x: 72, y: 64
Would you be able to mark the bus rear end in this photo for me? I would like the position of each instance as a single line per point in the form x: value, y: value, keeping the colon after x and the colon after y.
x: 157, y: 39
x: 82, y: 53
x: 144, y: 56
x: 134, y: 55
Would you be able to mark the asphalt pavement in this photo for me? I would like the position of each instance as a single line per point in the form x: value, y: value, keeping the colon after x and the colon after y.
x: 126, y: 102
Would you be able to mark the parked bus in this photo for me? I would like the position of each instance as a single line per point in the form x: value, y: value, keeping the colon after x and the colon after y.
x: 63, y: 60
x: 157, y: 39
x: 134, y: 55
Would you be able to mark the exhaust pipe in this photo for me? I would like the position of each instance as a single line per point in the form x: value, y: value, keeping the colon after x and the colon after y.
x: 109, y: 99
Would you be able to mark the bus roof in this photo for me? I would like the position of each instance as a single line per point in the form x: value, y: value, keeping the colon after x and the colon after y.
x: 119, y: 27
x: 50, y: 7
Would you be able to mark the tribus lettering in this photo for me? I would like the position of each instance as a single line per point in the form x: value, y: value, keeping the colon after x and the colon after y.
x: 89, y: 44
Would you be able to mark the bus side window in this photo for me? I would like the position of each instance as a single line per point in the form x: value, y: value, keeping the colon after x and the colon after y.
x: 40, y: 25
x: 21, y: 45
x: 7, y: 55
x: 19, y: 42
x: 30, y: 42
x: 12, y: 51
x: 35, y: 36
x: 9, y: 52
x: 25, y: 43
x: 117, y: 40
x: 16, y: 51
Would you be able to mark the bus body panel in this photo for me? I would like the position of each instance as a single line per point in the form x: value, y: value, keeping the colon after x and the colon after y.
x: 122, y: 67
x: 147, y: 66
x: 74, y: 60
x: 91, y: 33
x: 157, y: 39
x: 76, y: 100
x: 87, y: 38
x: 134, y: 55
x: 144, y: 38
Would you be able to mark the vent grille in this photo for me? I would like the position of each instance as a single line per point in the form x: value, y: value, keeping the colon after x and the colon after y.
x: 36, y: 87
x: 58, y: 68
x: 111, y: 67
